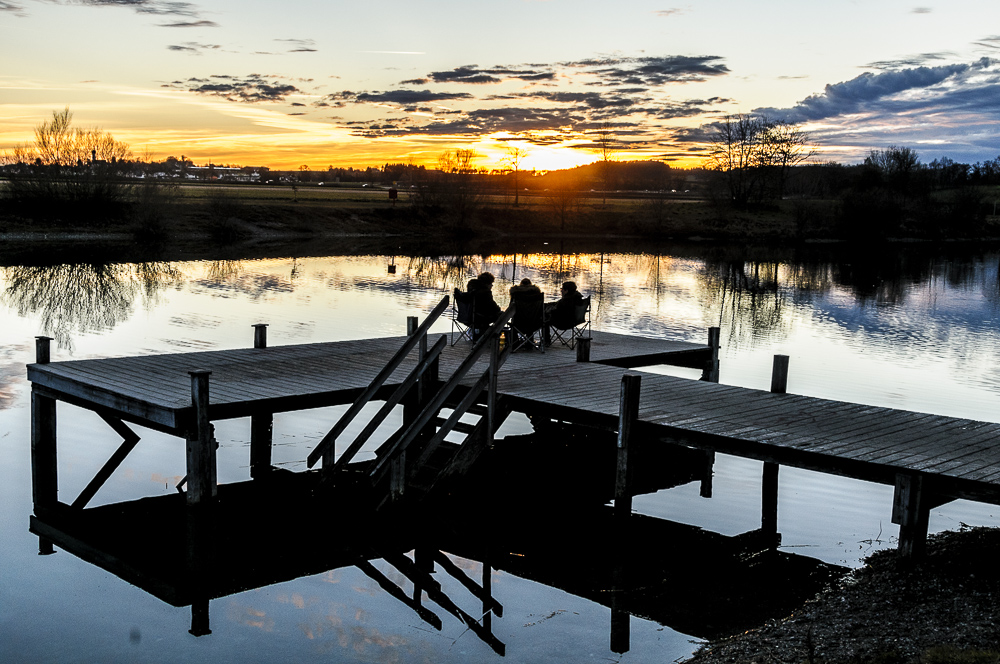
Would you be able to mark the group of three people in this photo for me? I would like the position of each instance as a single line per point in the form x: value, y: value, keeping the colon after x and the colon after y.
x: 560, y: 314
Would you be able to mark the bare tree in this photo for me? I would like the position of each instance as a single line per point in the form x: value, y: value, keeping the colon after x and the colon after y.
x: 606, y: 147
x: 754, y: 155
x: 512, y: 161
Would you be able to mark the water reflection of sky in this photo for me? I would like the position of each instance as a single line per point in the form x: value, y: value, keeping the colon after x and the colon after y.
x: 923, y: 338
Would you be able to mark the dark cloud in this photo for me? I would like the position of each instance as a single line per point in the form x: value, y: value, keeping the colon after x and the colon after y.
x: 156, y: 8
x: 193, y: 48
x: 190, y: 24
x: 652, y: 71
x: 416, y: 81
x: 249, y: 89
x: 914, y: 61
x: 989, y: 42
x: 602, y: 106
x: 484, y: 121
x: 856, y: 94
x: 474, y: 74
x: 299, y: 45
x: 12, y: 8
x: 402, y: 97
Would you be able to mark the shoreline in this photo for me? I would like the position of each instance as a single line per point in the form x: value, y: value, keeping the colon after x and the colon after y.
x: 943, y: 608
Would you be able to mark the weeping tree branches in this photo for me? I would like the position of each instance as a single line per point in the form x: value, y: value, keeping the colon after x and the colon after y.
x: 754, y: 155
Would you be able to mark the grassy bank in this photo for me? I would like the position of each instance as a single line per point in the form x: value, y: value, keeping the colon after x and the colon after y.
x: 241, y: 216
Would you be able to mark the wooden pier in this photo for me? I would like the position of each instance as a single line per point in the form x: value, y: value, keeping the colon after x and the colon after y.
x: 929, y: 459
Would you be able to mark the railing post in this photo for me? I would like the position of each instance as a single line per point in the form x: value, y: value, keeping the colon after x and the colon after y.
x: 202, y: 483
x: 711, y: 371
x: 628, y: 413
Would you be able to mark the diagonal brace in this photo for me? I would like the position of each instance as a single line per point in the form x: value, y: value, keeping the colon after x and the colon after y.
x: 130, y: 439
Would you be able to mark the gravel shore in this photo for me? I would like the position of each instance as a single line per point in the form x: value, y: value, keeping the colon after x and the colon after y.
x: 945, y: 608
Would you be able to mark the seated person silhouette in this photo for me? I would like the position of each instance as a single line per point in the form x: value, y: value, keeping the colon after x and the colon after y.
x: 562, y: 313
x: 528, y: 313
x: 486, y: 309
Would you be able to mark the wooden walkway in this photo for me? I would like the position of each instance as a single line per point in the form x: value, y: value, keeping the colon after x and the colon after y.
x: 930, y: 459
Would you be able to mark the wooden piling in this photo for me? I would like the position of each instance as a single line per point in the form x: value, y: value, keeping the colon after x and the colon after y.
x: 708, y: 471
x: 769, y: 499
x: 628, y: 413
x: 261, y: 439
x: 711, y: 370
x: 412, y: 322
x: 583, y: 349
x: 42, y: 352
x: 911, y: 506
x: 201, y: 468
x: 779, y: 374
x: 260, y: 335
x: 44, y: 476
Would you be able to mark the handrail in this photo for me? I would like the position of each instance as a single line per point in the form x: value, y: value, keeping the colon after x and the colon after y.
x: 391, y: 402
x: 376, y: 383
x: 431, y: 408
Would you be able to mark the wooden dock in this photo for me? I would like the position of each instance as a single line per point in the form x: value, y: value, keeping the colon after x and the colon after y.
x: 929, y: 459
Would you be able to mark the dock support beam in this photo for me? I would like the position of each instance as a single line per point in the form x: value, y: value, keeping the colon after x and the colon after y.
x: 911, y: 507
x: 261, y: 424
x: 711, y: 371
x: 202, y: 483
x: 769, y: 477
x: 628, y: 413
x: 44, y: 476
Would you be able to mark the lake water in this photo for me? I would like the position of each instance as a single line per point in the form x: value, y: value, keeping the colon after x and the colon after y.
x: 913, y: 328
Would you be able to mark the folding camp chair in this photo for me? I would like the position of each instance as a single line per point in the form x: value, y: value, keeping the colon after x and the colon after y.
x: 578, y: 330
x: 463, y: 308
x: 527, y: 321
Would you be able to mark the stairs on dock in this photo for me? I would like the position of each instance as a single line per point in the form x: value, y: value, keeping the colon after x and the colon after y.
x: 418, y: 460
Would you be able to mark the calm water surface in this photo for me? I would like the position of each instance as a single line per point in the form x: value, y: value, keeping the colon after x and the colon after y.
x: 906, y: 329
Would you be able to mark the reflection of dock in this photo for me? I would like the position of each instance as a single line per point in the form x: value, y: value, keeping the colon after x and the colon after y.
x: 259, y: 533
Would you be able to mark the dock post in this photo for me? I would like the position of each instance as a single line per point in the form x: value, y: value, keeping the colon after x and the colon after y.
x: 628, y: 413
x: 769, y: 477
x: 769, y: 501
x: 44, y: 476
x: 583, y: 349
x: 202, y: 483
x: 711, y: 371
x: 260, y: 335
x: 779, y: 374
x: 412, y: 323
x: 911, y: 512
x: 261, y: 424
x: 261, y: 437
x: 621, y: 619
x: 708, y: 470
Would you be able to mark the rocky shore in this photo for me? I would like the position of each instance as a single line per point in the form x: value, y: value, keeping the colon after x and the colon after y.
x: 944, y: 608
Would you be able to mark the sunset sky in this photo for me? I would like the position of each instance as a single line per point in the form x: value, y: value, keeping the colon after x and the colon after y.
x: 365, y: 83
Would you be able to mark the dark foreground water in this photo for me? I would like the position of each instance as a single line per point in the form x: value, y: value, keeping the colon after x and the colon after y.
x: 905, y: 328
